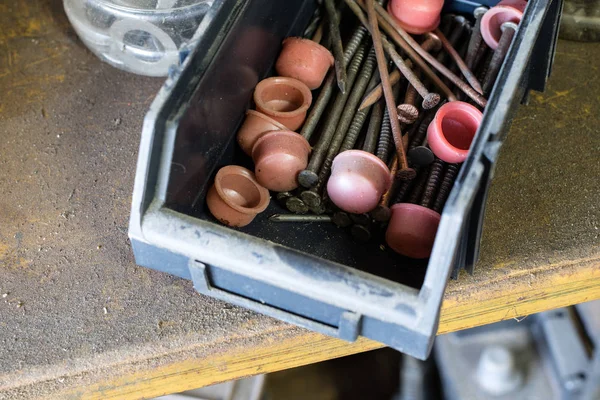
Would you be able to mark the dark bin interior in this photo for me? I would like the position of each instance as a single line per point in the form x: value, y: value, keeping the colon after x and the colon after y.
x: 205, y: 142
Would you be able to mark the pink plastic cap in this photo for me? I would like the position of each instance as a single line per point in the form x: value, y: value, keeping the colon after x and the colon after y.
x: 416, y: 16
x: 452, y: 130
x: 358, y: 180
x: 412, y: 229
x: 492, y: 20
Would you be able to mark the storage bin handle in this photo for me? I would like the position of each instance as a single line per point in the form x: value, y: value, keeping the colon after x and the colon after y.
x: 349, y: 324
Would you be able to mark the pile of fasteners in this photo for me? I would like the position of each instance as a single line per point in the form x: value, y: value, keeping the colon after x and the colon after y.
x: 379, y: 152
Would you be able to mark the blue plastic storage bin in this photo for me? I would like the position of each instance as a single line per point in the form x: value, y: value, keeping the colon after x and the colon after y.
x: 311, y: 275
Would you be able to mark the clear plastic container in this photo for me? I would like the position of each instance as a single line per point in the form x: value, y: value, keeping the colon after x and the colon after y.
x: 139, y: 36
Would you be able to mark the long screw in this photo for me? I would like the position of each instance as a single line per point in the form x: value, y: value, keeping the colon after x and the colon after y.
x: 419, y: 186
x: 295, y: 205
x: 382, y: 212
x: 467, y: 73
x: 458, y: 26
x: 407, y: 112
x: 374, y: 128
x: 418, y: 152
x: 338, y: 49
x: 299, y: 218
x: 432, y: 43
x: 445, y: 187
x: 410, y: 46
x: 385, y: 134
x: 327, y: 89
x: 447, y: 23
x: 403, y: 190
x: 433, y: 183
x: 312, y: 197
x: 476, y: 40
x: 308, y: 178
x: 404, y: 170
x: 341, y: 219
x: 429, y: 99
x: 508, y: 33
x: 462, y: 51
x: 356, y: 9
x: 315, y: 23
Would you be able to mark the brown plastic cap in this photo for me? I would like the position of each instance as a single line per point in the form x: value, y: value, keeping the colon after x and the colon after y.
x: 304, y: 60
x: 278, y: 158
x: 236, y: 197
x: 255, y: 125
x: 286, y: 100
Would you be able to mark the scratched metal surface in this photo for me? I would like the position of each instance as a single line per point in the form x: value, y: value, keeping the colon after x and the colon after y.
x: 73, y: 300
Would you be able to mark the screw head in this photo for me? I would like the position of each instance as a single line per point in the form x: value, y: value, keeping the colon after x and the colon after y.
x: 431, y: 100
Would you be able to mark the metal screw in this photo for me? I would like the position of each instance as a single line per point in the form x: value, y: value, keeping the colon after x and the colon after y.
x: 445, y: 187
x: 467, y: 73
x: 312, y: 198
x: 282, y: 197
x: 386, y: 23
x: 418, y: 152
x: 418, y: 187
x: 430, y: 100
x: 407, y: 112
x: 433, y: 183
x: 432, y: 43
x: 296, y: 205
x: 385, y: 135
x: 476, y: 40
x: 315, y: 23
x: 378, y: 43
x: 299, y: 218
x: 458, y: 26
x: 447, y: 23
x: 382, y: 212
x: 338, y: 49
x: 374, y: 128
x: 341, y: 219
x: 403, y: 190
x: 508, y: 33
x: 319, y: 106
x: 406, y: 41
x: 309, y: 178
x: 361, y: 233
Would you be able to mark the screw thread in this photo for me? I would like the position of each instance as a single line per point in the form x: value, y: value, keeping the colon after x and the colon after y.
x: 417, y: 189
x: 327, y: 89
x: 346, y: 119
x: 433, y: 183
x: 498, y: 57
x: 322, y: 145
x: 445, y: 187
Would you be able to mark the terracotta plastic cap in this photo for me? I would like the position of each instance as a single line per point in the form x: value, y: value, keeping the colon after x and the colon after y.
x: 411, y: 230
x: 452, y: 130
x: 236, y: 197
x: 278, y: 158
x: 255, y: 125
x: 492, y: 20
x: 416, y: 16
x: 286, y: 100
x: 304, y: 60
x: 357, y: 182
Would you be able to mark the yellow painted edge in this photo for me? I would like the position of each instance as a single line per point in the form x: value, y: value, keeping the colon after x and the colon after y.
x: 484, y: 305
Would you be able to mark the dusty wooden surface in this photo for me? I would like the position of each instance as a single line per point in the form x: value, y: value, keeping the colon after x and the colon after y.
x: 79, y: 319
